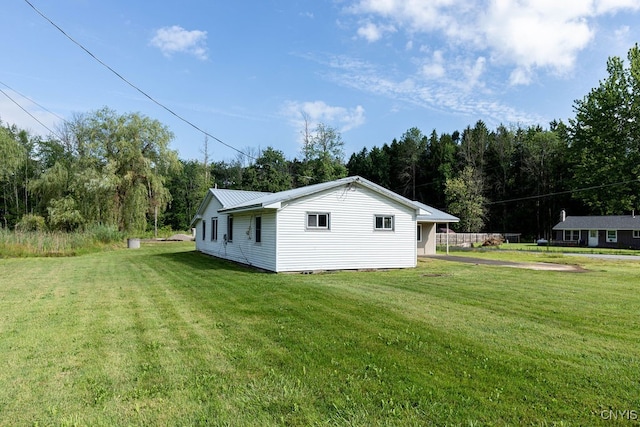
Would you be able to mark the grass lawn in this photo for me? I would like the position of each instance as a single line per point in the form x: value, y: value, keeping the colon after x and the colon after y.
x: 532, y: 247
x: 163, y: 335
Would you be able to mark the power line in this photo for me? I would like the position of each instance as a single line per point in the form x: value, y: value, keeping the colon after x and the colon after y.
x: 563, y: 192
x: 32, y: 101
x: 26, y: 111
x: 145, y: 94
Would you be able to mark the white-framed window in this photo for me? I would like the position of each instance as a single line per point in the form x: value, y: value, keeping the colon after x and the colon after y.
x: 636, y: 234
x: 229, y: 228
x: 318, y: 220
x: 612, y: 236
x: 419, y: 232
x: 572, y: 235
x: 258, y: 229
x: 384, y: 222
x: 214, y: 229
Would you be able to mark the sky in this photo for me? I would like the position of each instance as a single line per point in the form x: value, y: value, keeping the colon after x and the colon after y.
x: 248, y: 72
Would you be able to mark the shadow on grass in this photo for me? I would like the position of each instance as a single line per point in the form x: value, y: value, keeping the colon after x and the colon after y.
x: 196, y: 260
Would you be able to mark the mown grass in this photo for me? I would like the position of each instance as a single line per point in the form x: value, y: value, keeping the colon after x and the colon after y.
x: 166, y: 336
x: 532, y: 247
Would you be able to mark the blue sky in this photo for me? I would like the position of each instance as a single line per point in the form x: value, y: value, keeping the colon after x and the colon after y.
x: 247, y: 72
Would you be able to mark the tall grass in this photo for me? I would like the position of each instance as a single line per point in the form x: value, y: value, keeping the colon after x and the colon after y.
x: 19, y: 244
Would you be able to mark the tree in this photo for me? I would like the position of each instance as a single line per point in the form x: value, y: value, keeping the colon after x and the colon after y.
x: 605, y: 135
x: 124, y: 160
x: 410, y: 151
x: 269, y: 173
x: 439, y: 165
x: 323, y: 154
x: 12, y: 157
x: 475, y: 142
x: 465, y: 199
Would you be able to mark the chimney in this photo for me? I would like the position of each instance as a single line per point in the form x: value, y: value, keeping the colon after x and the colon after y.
x: 563, y: 215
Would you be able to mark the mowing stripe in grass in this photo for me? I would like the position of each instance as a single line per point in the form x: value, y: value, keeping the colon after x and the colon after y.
x: 164, y: 335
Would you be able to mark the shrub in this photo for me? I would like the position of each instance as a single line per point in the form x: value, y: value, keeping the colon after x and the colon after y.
x: 105, y: 233
x: 63, y: 214
x: 30, y: 222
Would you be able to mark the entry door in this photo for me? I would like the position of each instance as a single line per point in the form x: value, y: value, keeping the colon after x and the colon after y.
x: 593, y: 238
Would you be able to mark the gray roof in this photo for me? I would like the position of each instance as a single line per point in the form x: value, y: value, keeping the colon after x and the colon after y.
x: 430, y: 214
x: 283, y: 196
x: 230, y: 198
x: 608, y: 222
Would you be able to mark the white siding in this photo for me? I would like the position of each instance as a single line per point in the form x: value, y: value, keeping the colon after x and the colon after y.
x: 352, y: 242
x: 243, y: 248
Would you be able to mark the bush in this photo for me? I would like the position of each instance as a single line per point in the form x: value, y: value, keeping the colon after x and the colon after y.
x: 30, y: 222
x: 105, y: 233
x: 63, y: 214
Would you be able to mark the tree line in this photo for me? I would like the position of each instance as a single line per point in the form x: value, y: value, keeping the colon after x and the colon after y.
x: 118, y: 170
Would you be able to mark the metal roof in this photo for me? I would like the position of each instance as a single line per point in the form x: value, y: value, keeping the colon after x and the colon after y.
x: 608, y: 222
x: 230, y: 198
x: 428, y: 213
x: 283, y: 196
x: 239, y: 200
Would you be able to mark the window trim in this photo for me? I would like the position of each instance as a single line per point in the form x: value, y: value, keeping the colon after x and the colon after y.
x: 636, y: 234
x: 230, y: 228
x: 258, y: 230
x: 318, y: 227
x: 571, y: 234
x: 613, y: 239
x: 391, y: 219
x: 214, y: 228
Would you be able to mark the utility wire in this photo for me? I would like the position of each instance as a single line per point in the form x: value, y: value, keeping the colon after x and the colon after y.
x: 563, y: 192
x: 32, y: 101
x: 26, y: 111
x: 145, y: 94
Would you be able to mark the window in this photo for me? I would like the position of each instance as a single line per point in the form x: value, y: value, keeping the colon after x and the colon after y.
x: 419, y: 233
x: 318, y: 221
x: 636, y: 234
x: 214, y: 229
x: 572, y: 235
x: 384, y: 222
x: 612, y: 236
x: 204, y: 229
x: 229, y: 229
x: 258, y: 229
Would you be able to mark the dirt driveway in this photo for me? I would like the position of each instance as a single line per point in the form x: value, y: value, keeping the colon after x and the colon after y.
x: 549, y: 266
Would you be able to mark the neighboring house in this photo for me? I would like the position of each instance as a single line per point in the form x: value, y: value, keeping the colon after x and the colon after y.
x: 350, y: 223
x: 612, y: 231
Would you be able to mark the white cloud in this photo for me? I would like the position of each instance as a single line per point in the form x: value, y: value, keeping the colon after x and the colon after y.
x: 528, y: 35
x: 344, y: 119
x: 434, y: 69
x: 176, y: 39
x: 458, y: 92
x: 607, y: 6
x: 372, y: 32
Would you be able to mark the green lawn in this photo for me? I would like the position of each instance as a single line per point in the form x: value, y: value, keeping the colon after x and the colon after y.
x: 163, y: 335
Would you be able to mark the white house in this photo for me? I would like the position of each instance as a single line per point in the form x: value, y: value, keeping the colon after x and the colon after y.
x: 350, y: 223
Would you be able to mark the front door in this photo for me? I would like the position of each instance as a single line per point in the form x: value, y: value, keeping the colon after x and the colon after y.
x: 593, y: 238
